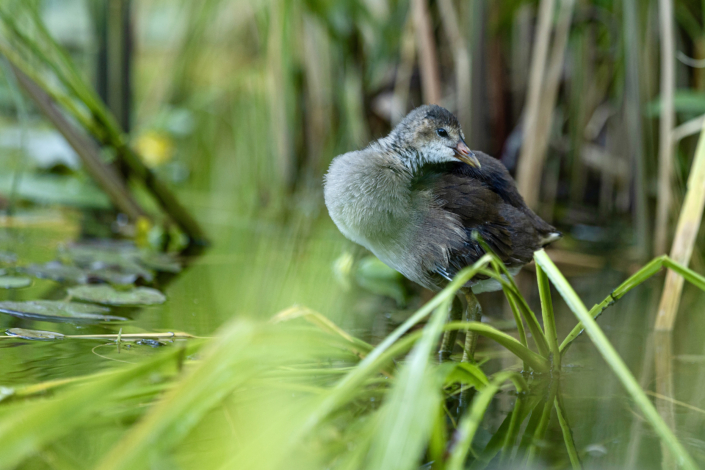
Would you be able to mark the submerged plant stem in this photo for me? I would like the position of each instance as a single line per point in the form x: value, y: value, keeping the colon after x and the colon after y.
x: 615, y: 361
x: 469, y: 424
x: 567, y: 434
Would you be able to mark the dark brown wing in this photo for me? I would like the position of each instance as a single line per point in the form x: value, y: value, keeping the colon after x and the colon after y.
x: 486, y: 202
x: 494, y: 175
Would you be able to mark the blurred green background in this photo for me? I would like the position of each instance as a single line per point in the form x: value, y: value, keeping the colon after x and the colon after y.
x: 241, y: 105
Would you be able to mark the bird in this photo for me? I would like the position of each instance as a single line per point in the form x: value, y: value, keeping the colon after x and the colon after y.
x: 420, y: 200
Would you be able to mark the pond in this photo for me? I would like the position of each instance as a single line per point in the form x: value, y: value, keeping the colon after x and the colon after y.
x: 256, y: 268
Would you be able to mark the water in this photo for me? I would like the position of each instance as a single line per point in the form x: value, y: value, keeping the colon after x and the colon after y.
x: 257, y: 268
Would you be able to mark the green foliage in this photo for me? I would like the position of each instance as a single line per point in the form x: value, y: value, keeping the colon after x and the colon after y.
x: 270, y: 395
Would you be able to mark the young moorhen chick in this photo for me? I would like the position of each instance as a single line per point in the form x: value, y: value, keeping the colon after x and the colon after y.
x: 415, y: 197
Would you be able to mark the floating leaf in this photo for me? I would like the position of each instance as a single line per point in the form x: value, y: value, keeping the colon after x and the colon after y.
x: 56, y: 271
x: 105, y: 294
x: 58, y: 311
x: 122, y: 257
x: 37, y: 335
x: 112, y: 275
x: 109, y: 257
x: 14, y: 282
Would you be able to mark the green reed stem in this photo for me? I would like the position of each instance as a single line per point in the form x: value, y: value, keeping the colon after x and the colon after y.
x: 653, y: 267
x: 517, y: 318
x: 549, y: 321
x: 540, y: 431
x: 535, y: 361
x: 614, y: 361
x: 513, y: 431
x: 469, y: 424
x: 511, y: 290
x: 345, y: 389
x: 567, y: 434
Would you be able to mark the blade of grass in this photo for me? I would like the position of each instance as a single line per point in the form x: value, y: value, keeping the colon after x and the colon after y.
x: 614, y: 360
x: 633, y: 281
x: 539, y: 433
x: 535, y: 361
x: 106, y: 129
x: 538, y: 363
x: 691, y: 276
x: 469, y: 423
x: 501, y: 441
x: 567, y: 434
x: 517, y: 318
x: 346, y: 389
x: 549, y: 321
x: 512, y: 291
x: 26, y: 429
x: 522, y: 450
x: 224, y: 368
x: 513, y: 431
x: 688, y: 128
x: 86, y: 150
x: 322, y: 322
x: 663, y: 378
x: 408, y: 415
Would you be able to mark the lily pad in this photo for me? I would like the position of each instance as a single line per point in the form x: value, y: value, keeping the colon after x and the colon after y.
x: 115, y: 257
x: 14, y: 282
x: 123, y: 257
x: 56, y: 271
x: 105, y: 294
x: 58, y: 311
x: 113, y: 275
x: 36, y: 335
x: 60, y: 272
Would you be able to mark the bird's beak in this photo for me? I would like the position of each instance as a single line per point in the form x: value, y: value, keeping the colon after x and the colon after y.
x: 465, y: 155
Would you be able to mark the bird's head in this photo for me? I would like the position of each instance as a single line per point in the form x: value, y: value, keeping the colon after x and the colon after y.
x: 432, y: 134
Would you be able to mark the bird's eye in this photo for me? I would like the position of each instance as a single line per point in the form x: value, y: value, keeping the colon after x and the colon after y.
x: 442, y: 132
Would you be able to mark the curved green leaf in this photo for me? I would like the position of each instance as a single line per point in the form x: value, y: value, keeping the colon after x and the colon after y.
x: 614, y: 360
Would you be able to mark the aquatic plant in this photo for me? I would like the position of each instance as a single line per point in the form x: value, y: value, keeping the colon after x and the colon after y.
x: 281, y: 394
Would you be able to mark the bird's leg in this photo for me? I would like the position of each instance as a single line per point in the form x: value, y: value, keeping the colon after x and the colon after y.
x: 473, y: 312
x: 448, y: 343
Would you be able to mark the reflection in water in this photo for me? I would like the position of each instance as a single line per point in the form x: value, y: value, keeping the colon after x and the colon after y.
x: 663, y: 357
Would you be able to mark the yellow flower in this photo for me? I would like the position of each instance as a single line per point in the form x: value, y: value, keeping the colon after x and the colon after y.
x: 155, y: 148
